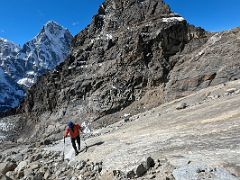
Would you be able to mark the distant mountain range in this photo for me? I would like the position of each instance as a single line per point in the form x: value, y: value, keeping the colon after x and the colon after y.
x: 20, y: 66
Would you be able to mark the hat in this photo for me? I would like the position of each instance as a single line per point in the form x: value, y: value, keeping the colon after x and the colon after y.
x: 70, y: 124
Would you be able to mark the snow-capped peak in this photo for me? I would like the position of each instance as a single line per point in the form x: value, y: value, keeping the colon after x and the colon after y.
x: 52, y: 23
x: 4, y: 43
x: 43, y: 53
x: 53, y: 30
x: 3, y: 40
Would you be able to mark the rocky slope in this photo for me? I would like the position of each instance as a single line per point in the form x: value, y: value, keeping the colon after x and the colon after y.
x: 135, y: 55
x: 195, y: 137
x: 23, y: 65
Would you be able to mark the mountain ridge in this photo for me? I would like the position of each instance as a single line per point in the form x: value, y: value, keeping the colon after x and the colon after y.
x: 43, y: 53
x: 124, y: 52
x: 161, y: 97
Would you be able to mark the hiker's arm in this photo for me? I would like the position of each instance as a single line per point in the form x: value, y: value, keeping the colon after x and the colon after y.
x: 66, y: 132
x: 79, y: 128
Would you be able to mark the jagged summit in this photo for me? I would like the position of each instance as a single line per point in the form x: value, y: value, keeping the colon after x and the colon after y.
x: 3, y: 40
x: 43, y: 53
x: 48, y: 48
x: 7, y: 47
x: 54, y: 31
x: 52, y: 23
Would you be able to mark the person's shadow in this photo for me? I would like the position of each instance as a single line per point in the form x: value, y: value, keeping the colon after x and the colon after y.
x: 95, y: 144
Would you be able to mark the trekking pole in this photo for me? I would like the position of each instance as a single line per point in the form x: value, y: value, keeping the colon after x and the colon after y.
x: 85, y: 145
x: 63, y: 147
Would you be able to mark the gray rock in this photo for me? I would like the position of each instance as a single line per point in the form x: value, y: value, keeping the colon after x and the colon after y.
x: 74, y: 178
x: 20, y: 174
x: 150, y: 162
x: 4, y: 177
x: 131, y: 174
x: 98, y: 167
x: 37, y: 157
x: 232, y: 90
x: 11, y: 174
x: 28, y: 173
x: 46, y: 142
x: 47, y: 174
x: 18, y: 157
x: 7, y: 166
x: 21, y: 166
x: 38, y: 176
x: 181, y: 106
x: 140, y: 170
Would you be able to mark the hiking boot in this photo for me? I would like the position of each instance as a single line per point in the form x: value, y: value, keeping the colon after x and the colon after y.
x: 76, y: 153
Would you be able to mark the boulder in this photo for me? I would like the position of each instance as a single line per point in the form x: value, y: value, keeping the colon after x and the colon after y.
x: 46, y: 142
x: 18, y: 157
x: 181, y: 106
x: 37, y: 157
x: 11, y: 174
x: 4, y: 177
x: 231, y: 90
x: 22, y: 165
x: 131, y: 174
x: 140, y: 170
x: 38, y: 176
x: 150, y: 163
x: 7, y: 166
x: 47, y: 174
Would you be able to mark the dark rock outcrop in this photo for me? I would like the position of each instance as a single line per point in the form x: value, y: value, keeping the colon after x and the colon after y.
x: 134, y: 55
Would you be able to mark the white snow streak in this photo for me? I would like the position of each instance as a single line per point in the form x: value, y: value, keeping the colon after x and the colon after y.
x: 172, y: 19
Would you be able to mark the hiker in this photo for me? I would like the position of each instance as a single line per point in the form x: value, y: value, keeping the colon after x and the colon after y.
x: 73, y: 130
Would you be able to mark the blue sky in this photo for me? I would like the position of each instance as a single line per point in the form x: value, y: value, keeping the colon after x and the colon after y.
x: 212, y: 15
x: 21, y: 20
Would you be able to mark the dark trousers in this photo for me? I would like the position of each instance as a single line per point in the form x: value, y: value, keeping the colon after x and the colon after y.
x: 74, y: 143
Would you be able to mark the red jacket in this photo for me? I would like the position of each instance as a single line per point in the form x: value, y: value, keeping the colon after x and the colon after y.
x: 74, y: 133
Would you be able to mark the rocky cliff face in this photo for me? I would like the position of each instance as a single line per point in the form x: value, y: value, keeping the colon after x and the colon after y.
x: 23, y: 65
x: 134, y: 55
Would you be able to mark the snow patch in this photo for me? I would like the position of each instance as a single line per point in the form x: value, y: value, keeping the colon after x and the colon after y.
x: 31, y: 73
x: 173, y: 19
x: 214, y: 39
x: 27, y: 82
x: 6, y: 126
x: 109, y: 36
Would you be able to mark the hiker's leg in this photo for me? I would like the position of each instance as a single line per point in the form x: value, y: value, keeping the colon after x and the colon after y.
x: 78, y: 142
x: 74, y: 144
